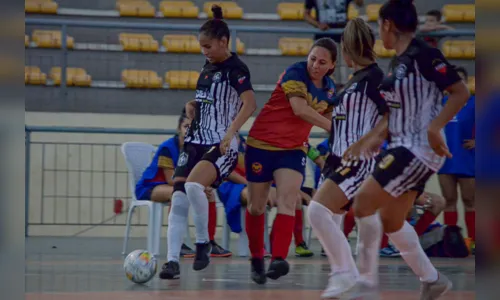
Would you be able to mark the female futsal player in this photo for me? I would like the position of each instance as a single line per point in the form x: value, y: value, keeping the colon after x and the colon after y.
x: 276, y: 150
x: 413, y: 92
x: 224, y: 102
x: 459, y: 171
x: 360, y: 111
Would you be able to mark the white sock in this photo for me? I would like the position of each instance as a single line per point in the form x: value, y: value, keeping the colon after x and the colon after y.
x: 370, y: 234
x: 326, y: 227
x: 177, y: 225
x: 198, y: 199
x: 407, y: 242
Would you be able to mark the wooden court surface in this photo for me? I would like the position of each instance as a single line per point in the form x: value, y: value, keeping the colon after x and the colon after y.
x: 74, y: 272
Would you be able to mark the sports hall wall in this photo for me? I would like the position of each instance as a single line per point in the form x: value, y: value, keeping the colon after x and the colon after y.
x: 62, y: 198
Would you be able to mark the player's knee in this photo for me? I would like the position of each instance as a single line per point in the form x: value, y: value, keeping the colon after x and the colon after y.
x: 287, y: 204
x: 437, y: 204
x: 256, y: 210
x: 468, y: 202
x: 360, y: 207
x: 194, y: 188
x: 179, y: 209
x: 451, y: 203
x: 391, y: 225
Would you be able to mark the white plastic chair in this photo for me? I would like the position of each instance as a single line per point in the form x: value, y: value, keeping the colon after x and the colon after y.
x: 137, y: 157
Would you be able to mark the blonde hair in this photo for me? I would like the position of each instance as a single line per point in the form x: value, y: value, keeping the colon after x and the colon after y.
x: 358, y: 41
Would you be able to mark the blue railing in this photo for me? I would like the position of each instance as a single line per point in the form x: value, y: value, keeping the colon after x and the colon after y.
x: 61, y: 168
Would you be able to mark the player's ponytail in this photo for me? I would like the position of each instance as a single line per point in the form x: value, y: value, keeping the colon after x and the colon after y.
x: 216, y: 28
x: 402, y: 13
x: 358, y: 41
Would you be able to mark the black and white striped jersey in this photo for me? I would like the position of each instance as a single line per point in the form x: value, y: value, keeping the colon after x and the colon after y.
x: 413, y: 91
x: 218, y: 100
x: 358, y: 108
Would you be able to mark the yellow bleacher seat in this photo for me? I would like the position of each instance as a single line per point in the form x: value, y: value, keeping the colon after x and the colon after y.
x: 74, y: 76
x: 230, y: 10
x: 142, y: 42
x: 240, y: 46
x: 381, y: 51
x: 179, y: 9
x: 40, y: 6
x: 352, y: 12
x: 145, y: 79
x: 26, y: 40
x: 471, y: 84
x: 459, y: 49
x: 136, y: 8
x: 290, y: 11
x: 178, y: 43
x: 372, y: 12
x: 50, y: 39
x: 33, y: 75
x: 295, y: 46
x: 182, y: 80
x: 459, y: 12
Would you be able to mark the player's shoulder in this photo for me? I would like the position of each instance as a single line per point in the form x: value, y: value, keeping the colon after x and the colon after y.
x: 239, y: 64
x: 297, y: 71
x: 374, y: 75
x: 300, y: 67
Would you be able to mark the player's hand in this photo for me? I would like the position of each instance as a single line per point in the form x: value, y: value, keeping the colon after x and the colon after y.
x: 469, y: 144
x: 209, y: 191
x: 226, y: 142
x: 366, y: 148
x: 436, y: 141
x: 323, y: 26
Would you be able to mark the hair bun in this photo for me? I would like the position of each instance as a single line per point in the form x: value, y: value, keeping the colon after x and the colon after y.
x: 217, y: 11
x: 403, y: 2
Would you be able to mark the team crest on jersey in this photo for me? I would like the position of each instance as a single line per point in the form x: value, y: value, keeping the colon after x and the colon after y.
x: 440, y: 66
x: 217, y: 77
x: 352, y: 88
x: 401, y: 71
x: 241, y: 79
x: 257, y: 168
x: 330, y: 94
x: 183, y: 159
x: 386, y: 161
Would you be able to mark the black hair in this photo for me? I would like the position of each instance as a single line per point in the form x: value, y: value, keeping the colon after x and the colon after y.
x: 329, y: 45
x: 435, y: 13
x: 182, y: 117
x: 216, y: 28
x: 461, y: 70
x: 402, y: 12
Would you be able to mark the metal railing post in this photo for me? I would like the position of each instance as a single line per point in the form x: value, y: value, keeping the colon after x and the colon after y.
x: 233, y: 41
x: 64, y: 61
x: 27, y: 180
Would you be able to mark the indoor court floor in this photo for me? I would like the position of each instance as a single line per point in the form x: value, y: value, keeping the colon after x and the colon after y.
x: 91, y: 269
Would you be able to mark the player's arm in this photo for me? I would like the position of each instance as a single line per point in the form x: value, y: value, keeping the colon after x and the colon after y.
x: 190, y: 109
x: 295, y: 88
x: 166, y: 164
x: 314, y: 155
x: 240, y: 81
x: 308, y: 17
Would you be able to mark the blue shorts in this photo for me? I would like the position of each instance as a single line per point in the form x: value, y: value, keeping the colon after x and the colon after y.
x: 143, y: 191
x: 260, y: 164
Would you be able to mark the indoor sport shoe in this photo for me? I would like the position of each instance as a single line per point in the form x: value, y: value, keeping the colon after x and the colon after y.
x: 187, y: 252
x: 258, y: 271
x: 302, y: 251
x: 170, y: 270
x: 202, y: 257
x: 218, y: 251
x: 338, y: 283
x: 389, y: 251
x: 323, y: 253
x: 278, y: 268
x: 361, y: 290
x: 434, y: 290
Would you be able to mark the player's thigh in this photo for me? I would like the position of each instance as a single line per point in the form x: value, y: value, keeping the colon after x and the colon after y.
x: 162, y: 193
x: 258, y: 193
x: 331, y: 196
x: 190, y: 155
x: 448, y: 184
x: 288, y: 182
x: 395, y: 212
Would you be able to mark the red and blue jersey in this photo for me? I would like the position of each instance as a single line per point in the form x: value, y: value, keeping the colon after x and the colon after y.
x: 457, y: 131
x: 277, y: 127
x: 166, y: 157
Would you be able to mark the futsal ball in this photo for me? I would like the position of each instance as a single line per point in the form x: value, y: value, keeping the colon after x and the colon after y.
x: 140, y: 266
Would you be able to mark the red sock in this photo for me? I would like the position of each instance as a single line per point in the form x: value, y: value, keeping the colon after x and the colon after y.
x: 450, y: 217
x: 282, y: 235
x: 423, y: 223
x: 349, y: 223
x: 297, y: 229
x: 255, y: 232
x: 212, y: 220
x: 470, y: 222
x: 384, y: 242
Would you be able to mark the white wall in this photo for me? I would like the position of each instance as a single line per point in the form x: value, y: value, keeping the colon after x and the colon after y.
x: 91, y: 191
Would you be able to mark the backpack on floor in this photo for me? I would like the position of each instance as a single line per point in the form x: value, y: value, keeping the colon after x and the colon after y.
x: 448, y: 242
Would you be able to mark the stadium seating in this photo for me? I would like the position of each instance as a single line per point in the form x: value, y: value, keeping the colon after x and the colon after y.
x: 33, y: 75
x: 372, y: 12
x: 182, y: 80
x: 74, y: 77
x: 144, y: 79
x: 136, y: 8
x: 459, y: 49
x: 138, y: 42
x: 40, y: 6
x: 290, y: 11
x: 230, y: 10
x: 179, y: 9
x: 381, y: 51
x: 50, y: 39
x: 352, y: 12
x: 459, y: 13
x: 295, y: 46
x: 177, y: 43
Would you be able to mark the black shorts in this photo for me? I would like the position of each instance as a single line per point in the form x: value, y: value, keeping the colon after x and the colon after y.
x: 398, y: 171
x: 194, y: 153
x: 348, y: 175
